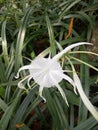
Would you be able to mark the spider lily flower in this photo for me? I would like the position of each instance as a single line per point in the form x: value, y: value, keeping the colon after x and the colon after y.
x: 47, y: 72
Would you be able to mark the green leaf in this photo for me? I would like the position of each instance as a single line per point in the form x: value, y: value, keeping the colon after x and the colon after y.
x: 20, y: 40
x: 2, y: 92
x: 86, y: 125
x: 3, y: 105
x: 51, y: 36
x: 4, y: 43
x: 7, y: 115
x: 22, y: 110
x: 3, y: 77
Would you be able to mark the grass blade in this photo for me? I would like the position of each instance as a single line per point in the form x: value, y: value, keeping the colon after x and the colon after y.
x: 20, y: 40
x: 7, y: 115
x: 4, y: 43
x: 51, y: 36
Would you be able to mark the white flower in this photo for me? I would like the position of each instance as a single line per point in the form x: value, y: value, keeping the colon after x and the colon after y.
x: 47, y: 72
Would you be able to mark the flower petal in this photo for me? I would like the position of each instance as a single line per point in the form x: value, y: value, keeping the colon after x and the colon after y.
x: 40, y: 93
x: 60, y: 90
x: 84, y: 98
x: 62, y: 93
x: 66, y: 77
x: 22, y: 68
x: 59, y: 55
x: 28, y: 82
x: 20, y: 84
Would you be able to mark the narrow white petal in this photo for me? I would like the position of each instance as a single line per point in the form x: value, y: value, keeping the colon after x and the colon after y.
x: 59, y: 55
x: 62, y: 93
x: 22, y: 68
x: 67, y: 78
x: 40, y: 93
x: 28, y: 82
x: 60, y: 90
x: 20, y: 84
x: 84, y: 98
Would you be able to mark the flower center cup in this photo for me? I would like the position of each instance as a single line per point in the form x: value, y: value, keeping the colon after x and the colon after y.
x: 45, y: 70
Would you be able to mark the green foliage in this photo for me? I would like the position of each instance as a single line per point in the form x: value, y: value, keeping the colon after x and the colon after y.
x: 22, y: 25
